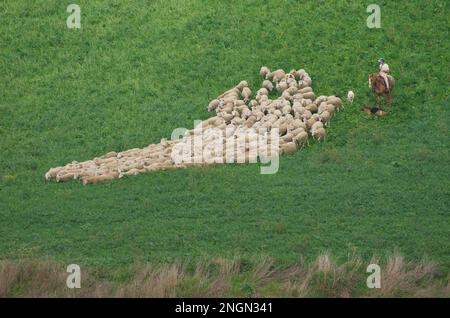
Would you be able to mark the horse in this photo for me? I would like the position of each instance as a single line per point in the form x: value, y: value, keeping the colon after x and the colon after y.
x: 378, y: 86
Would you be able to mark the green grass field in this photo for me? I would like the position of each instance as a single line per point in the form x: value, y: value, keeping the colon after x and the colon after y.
x: 138, y: 69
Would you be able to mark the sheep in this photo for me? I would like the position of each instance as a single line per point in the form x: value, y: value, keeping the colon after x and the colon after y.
x: 219, y: 121
x: 238, y: 102
x: 267, y: 85
x: 307, y: 80
x: 111, y: 154
x: 284, y: 102
x: 231, y: 91
x: 316, y: 125
x: 128, y: 153
x: 301, y: 72
x: 298, y: 108
x: 320, y: 99
x: 61, y: 177
x: 228, y: 108
x: 282, y: 129
x: 325, y: 117
x: 213, y: 105
x: 306, y: 115
x: 210, y: 121
x: 253, y: 103
x: 309, y: 95
x: 291, y: 114
x: 86, y: 173
x: 245, y: 112
x: 52, y: 173
x: 293, y: 84
x: 227, y: 118
x: 251, y: 120
x: 310, y: 122
x: 258, y: 114
x: 163, y: 143
x: 295, y: 73
x: 264, y: 71
x: 334, y: 100
x: 312, y: 108
x: 319, y: 134
x: 286, y: 96
x: 276, y: 76
x: 289, y: 118
x: 297, y: 96
x: 237, y: 121
x: 301, y: 138
x: 292, y: 90
x: 290, y: 78
x: 263, y: 98
x: 262, y: 91
x: 246, y: 93
x: 96, y: 179
x: 305, y: 102
x: 241, y: 85
x: 305, y: 90
x: 295, y: 132
x: 286, y: 109
x: 295, y: 124
x: 287, y: 137
x: 229, y: 99
x: 289, y: 148
x: 331, y: 109
x: 281, y: 86
x: 350, y: 96
x: 302, y: 84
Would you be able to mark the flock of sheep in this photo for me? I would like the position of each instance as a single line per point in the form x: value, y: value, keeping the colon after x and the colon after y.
x: 294, y: 115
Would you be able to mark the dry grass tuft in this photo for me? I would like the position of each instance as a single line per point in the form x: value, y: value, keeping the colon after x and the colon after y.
x: 220, y: 277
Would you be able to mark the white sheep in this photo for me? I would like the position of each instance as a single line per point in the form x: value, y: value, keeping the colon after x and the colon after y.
x: 213, y: 105
x: 253, y: 103
x: 350, y: 96
x: 319, y: 134
x: 281, y: 86
x: 267, y: 85
x: 289, y: 148
x: 276, y: 76
x: 286, y: 109
x: 301, y: 138
x: 264, y: 71
x: 334, y: 100
x: 316, y: 125
x: 325, y: 117
x: 242, y: 84
x: 246, y: 93
x: 292, y: 113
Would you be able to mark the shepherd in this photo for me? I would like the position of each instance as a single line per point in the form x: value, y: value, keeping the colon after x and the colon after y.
x: 382, y: 83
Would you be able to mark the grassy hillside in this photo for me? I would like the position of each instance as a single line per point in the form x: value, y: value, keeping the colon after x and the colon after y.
x: 138, y: 69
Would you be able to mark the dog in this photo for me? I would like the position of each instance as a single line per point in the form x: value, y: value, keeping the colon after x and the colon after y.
x: 373, y: 111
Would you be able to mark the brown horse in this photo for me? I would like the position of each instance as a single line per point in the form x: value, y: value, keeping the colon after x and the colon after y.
x: 378, y: 86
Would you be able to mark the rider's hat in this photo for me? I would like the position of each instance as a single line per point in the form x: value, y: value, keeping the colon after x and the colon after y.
x: 381, y: 60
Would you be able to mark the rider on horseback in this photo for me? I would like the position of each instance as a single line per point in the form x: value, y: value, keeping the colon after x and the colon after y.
x: 384, y: 71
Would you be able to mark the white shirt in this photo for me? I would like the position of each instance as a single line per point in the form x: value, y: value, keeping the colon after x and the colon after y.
x: 384, y: 68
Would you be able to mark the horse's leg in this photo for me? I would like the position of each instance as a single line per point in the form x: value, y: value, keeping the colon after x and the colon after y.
x: 378, y: 101
x: 391, y: 97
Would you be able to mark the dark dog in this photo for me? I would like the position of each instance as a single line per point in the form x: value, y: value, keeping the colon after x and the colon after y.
x: 372, y: 111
